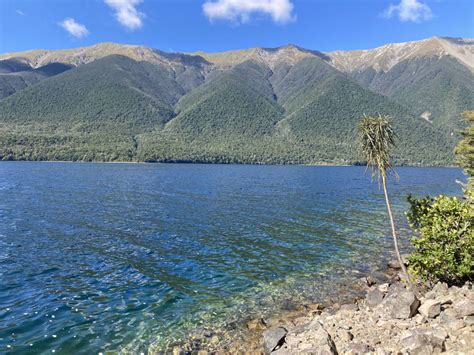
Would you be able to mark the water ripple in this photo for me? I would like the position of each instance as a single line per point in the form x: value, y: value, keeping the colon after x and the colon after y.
x: 115, y: 257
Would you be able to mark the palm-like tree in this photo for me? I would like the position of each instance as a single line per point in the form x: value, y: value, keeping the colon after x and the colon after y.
x: 377, y: 139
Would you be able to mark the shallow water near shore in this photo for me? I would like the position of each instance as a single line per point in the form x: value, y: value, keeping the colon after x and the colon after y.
x: 110, y: 257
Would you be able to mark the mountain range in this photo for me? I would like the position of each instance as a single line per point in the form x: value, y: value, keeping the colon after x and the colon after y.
x: 114, y: 102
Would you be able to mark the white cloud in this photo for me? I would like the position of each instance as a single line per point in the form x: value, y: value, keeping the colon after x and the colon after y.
x: 74, y: 28
x: 281, y: 11
x: 126, y: 12
x: 410, y: 10
x: 19, y: 12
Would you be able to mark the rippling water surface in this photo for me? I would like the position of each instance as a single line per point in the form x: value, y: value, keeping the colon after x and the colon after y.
x: 98, y: 257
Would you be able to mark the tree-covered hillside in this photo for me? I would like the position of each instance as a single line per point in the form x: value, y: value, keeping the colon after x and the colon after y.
x: 439, y: 89
x: 276, y: 106
x: 16, y: 75
x: 307, y: 115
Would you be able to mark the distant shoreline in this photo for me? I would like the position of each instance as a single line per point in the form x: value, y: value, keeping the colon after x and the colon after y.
x: 209, y: 163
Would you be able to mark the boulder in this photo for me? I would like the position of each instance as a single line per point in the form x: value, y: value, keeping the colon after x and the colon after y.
x: 400, y: 302
x: 311, y: 338
x: 374, y: 297
x: 419, y: 342
x: 469, y: 320
x: 430, y: 308
x: 323, y: 343
x: 466, y: 339
x: 274, y: 338
x: 464, y: 308
x: 449, y: 321
x: 440, y: 289
x: 445, y: 300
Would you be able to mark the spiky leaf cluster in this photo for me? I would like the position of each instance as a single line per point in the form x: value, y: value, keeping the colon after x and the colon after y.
x: 377, y: 141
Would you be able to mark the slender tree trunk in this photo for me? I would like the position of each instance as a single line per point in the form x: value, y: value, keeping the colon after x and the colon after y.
x: 394, y: 233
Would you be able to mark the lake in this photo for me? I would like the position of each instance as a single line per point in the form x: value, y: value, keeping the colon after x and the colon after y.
x: 110, y: 257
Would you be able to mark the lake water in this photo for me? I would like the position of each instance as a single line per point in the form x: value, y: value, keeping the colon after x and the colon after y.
x: 110, y: 257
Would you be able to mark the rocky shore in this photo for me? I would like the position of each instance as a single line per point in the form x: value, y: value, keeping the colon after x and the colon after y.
x: 389, y: 320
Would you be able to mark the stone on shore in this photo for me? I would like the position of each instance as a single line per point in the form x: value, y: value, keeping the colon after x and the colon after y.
x: 438, y: 290
x: 311, y: 338
x: 374, y: 297
x: 430, y: 308
x: 274, y: 338
x: 464, y: 308
x: 400, y: 302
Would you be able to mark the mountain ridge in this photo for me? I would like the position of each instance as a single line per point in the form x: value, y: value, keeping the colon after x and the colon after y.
x: 341, y: 59
x: 258, y: 105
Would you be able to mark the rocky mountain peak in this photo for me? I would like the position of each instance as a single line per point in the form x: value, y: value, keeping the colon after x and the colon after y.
x: 287, y: 54
x: 383, y: 58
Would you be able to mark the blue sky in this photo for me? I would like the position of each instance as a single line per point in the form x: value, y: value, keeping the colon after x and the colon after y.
x: 216, y: 25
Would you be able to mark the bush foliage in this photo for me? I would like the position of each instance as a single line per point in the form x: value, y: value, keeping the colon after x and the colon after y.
x: 444, y: 249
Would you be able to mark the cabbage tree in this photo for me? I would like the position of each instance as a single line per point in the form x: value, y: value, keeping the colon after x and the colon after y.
x: 377, y: 140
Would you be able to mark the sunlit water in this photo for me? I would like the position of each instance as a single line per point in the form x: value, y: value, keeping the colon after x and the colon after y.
x: 107, y: 257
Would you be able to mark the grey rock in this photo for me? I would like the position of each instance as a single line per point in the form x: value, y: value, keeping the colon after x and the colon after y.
x: 357, y: 348
x: 454, y: 325
x: 422, y: 342
x: 361, y: 284
x: 324, y: 343
x: 381, y: 277
x: 420, y: 319
x: 312, y: 339
x: 347, y: 336
x: 370, y: 281
x: 374, y: 297
x: 353, y: 307
x: 320, y: 340
x: 449, y: 312
x: 445, y: 300
x: 430, y: 295
x: 274, y: 338
x: 449, y: 320
x: 436, y: 336
x: 464, y: 308
x: 430, y: 308
x: 394, y: 264
x: 383, y: 287
x: 467, y: 340
x: 400, y: 302
x: 439, y: 336
x: 469, y: 320
x: 424, y: 350
x: 441, y: 288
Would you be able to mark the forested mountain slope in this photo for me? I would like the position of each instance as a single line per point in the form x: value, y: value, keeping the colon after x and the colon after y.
x: 433, y: 78
x: 283, y: 105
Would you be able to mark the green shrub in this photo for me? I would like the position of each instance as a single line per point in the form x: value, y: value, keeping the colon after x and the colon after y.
x: 444, y: 246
